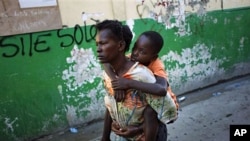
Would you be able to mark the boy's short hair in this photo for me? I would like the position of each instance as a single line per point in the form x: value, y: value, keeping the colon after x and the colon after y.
x: 119, y: 31
x: 155, y: 39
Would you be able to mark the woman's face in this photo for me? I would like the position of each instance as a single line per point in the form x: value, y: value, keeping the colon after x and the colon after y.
x: 107, y: 46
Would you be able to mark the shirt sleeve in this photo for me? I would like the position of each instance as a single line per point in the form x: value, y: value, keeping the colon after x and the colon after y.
x: 157, y: 67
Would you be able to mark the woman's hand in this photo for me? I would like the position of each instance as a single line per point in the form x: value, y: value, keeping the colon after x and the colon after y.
x: 130, y: 131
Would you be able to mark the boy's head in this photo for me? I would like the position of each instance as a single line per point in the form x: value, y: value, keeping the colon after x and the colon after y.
x: 147, y: 47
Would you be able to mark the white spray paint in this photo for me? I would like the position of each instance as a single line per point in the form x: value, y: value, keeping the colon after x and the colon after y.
x: 9, y: 124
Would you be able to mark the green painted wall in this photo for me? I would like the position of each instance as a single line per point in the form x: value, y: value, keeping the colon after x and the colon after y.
x: 51, y: 80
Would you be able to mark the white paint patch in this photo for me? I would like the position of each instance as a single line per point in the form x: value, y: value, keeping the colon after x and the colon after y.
x: 87, y: 16
x: 193, y: 66
x: 95, y: 109
x: 241, y: 46
x: 83, y: 68
x: 97, y: 106
x: 238, y: 18
x: 72, y: 115
x: 201, y: 11
x: 226, y: 21
x: 130, y: 24
x: 82, y: 104
x: 59, y: 87
x: 242, y: 42
x: 215, y: 21
x: 180, y: 19
x: 50, y: 122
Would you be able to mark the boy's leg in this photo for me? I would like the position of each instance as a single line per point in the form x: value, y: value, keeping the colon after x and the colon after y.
x: 107, y: 127
x: 162, y: 133
x: 151, y: 123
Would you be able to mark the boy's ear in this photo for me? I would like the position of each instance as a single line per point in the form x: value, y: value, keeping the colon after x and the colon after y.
x: 155, y: 57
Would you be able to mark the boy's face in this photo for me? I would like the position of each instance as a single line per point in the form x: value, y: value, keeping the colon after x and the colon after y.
x: 142, y: 51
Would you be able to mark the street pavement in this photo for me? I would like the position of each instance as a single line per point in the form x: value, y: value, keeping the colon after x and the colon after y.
x: 205, y: 115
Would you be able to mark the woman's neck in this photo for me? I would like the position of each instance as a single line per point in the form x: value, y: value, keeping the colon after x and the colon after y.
x: 121, y: 66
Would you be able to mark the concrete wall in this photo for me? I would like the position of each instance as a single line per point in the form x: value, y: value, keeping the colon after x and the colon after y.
x: 51, y: 80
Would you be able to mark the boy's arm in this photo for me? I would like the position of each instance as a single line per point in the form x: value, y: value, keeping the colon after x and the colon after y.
x: 119, y: 94
x: 158, y: 88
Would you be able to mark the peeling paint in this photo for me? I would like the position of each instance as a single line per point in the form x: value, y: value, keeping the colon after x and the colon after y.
x: 83, y: 68
x: 192, y: 65
x: 95, y: 109
x: 71, y: 115
x: 164, y: 11
x: 202, y: 10
x: 180, y: 19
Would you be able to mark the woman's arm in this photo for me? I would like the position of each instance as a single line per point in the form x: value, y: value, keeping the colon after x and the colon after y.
x: 158, y: 88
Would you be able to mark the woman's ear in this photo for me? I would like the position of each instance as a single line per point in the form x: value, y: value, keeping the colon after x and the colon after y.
x: 122, y: 45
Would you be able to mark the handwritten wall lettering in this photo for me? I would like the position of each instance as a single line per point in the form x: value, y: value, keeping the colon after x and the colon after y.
x: 69, y: 39
x: 28, y: 44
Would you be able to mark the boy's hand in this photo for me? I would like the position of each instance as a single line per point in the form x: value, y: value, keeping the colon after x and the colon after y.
x: 119, y: 95
x: 120, y: 83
